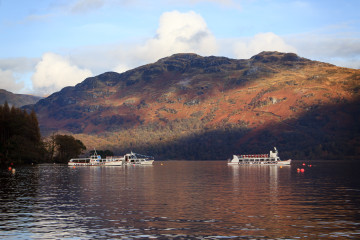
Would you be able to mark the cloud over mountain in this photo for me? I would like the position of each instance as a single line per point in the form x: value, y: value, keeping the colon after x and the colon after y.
x: 54, y: 72
x: 177, y: 32
x: 180, y: 32
x: 261, y: 42
x: 8, y: 81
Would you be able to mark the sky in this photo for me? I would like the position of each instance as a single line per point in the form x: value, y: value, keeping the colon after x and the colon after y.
x: 46, y: 45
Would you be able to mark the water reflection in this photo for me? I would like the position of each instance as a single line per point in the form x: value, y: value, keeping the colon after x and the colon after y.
x: 192, y: 200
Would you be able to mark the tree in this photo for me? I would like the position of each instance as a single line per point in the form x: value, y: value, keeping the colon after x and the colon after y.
x: 20, y: 139
x: 67, y: 147
x: 50, y: 147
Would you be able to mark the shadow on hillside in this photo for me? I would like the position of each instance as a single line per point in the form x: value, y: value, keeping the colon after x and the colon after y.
x: 325, y: 132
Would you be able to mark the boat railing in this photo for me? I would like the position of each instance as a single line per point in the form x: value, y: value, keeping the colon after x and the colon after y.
x: 76, y: 160
x: 254, y: 156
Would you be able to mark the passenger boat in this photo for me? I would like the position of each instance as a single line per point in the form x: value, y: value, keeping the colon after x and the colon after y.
x: 93, y: 160
x: 264, y: 159
x: 127, y: 159
x: 135, y: 158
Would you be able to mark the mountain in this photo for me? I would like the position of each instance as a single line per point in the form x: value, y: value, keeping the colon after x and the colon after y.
x: 191, y: 107
x: 17, y: 100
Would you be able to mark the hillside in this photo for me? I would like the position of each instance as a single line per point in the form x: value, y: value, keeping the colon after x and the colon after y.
x: 190, y: 107
x: 17, y: 100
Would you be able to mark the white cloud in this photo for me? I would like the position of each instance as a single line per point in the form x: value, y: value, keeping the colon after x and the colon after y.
x: 54, y: 72
x: 121, y: 68
x: 179, y: 32
x: 14, y: 73
x: 9, y: 82
x: 343, y: 51
x: 18, y: 65
x: 261, y: 42
x: 176, y: 33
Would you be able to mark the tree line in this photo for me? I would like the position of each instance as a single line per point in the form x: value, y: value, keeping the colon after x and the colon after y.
x: 21, y: 141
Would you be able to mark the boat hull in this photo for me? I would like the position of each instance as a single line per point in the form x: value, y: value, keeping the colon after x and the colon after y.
x: 285, y: 162
x: 140, y: 162
x: 147, y: 162
x: 114, y: 163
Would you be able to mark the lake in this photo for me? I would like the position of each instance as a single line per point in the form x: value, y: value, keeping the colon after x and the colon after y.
x: 182, y: 200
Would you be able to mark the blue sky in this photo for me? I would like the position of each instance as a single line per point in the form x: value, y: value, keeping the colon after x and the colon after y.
x: 46, y: 45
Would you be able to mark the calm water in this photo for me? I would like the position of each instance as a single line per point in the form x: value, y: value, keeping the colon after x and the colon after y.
x: 182, y: 200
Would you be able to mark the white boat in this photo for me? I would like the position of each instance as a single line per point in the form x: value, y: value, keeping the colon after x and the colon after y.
x: 114, y: 161
x: 127, y: 159
x: 263, y: 159
x: 93, y: 160
x: 135, y: 159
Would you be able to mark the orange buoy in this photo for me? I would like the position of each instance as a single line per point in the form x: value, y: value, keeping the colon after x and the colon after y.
x: 9, y: 168
x: 298, y: 169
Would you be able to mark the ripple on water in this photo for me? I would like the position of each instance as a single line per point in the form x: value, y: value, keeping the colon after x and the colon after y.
x: 179, y: 200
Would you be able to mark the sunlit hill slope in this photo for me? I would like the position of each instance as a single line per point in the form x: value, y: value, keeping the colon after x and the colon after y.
x: 190, y: 107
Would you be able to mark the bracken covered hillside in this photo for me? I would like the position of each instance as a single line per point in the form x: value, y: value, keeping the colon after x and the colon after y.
x: 190, y: 107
